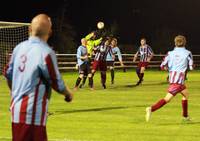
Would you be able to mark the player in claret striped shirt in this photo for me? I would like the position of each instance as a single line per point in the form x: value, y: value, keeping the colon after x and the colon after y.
x: 101, y: 53
x: 177, y: 62
x: 31, y: 73
x: 146, y: 55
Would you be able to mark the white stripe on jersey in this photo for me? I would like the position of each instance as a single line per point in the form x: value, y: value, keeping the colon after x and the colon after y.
x: 38, y: 112
x: 176, y: 77
x: 45, y: 116
x: 29, y: 109
x: 16, y: 111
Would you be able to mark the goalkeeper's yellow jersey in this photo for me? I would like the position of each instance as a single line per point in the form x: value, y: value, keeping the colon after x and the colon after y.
x: 91, y: 43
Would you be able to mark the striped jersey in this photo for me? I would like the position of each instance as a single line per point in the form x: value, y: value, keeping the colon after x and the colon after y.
x: 101, y: 52
x: 145, y: 52
x: 116, y: 51
x: 33, y: 71
x: 177, y: 62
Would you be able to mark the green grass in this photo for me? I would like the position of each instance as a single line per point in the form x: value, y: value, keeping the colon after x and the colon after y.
x: 117, y: 113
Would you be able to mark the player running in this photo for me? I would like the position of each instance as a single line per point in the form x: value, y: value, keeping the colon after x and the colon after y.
x: 110, y: 60
x: 177, y: 62
x: 146, y: 54
x: 83, y: 64
x: 31, y: 73
x: 101, y: 52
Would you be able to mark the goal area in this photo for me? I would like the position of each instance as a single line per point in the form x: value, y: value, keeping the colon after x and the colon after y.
x: 11, y: 33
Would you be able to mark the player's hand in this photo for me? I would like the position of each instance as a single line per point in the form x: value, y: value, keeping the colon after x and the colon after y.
x: 149, y: 59
x: 92, y: 34
x: 85, y: 57
x: 68, y: 98
x: 68, y: 95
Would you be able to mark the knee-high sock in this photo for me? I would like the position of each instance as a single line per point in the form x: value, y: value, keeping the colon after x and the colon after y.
x: 185, y: 108
x: 158, y: 105
x: 91, y: 82
x: 84, y: 80
x: 138, y: 72
x: 141, y: 76
x: 103, y: 77
x: 112, y: 75
x: 78, y: 81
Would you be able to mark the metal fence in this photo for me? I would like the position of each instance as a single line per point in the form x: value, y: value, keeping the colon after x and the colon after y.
x: 69, y: 61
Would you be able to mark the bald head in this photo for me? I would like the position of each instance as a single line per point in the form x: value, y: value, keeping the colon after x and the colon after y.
x: 41, y: 26
x: 83, y: 41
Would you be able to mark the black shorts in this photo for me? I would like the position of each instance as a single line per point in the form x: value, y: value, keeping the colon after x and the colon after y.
x: 85, y: 68
x: 110, y: 63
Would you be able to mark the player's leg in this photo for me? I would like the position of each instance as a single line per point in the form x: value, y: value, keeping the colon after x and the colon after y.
x: 138, y: 72
x: 110, y: 64
x: 84, y: 79
x: 141, y: 75
x: 112, y: 72
x: 82, y: 69
x: 185, y: 95
x: 91, y: 83
x: 78, y: 81
x: 90, y: 77
x: 158, y: 105
x: 103, y: 79
x: 172, y: 91
x: 95, y: 66
x: 103, y: 69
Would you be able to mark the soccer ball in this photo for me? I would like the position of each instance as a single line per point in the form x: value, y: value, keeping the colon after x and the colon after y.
x: 100, y: 25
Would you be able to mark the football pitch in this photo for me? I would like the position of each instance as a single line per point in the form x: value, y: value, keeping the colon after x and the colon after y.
x: 117, y: 113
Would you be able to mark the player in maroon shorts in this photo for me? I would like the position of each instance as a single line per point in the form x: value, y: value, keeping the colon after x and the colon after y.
x: 146, y: 54
x: 31, y: 74
x: 101, y: 52
x: 177, y: 62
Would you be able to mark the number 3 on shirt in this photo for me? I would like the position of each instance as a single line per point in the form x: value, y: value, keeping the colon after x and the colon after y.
x: 23, y: 60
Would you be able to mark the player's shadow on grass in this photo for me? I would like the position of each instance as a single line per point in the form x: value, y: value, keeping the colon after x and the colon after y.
x: 85, y: 110
x: 147, y: 84
x: 181, y: 123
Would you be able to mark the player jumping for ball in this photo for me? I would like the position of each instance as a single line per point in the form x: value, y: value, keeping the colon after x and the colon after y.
x: 101, y: 52
x: 177, y: 62
x: 146, y: 54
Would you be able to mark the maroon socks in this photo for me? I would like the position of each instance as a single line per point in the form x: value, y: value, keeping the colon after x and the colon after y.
x: 158, y: 105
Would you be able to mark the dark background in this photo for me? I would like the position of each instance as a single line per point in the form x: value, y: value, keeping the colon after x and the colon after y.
x: 157, y: 20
